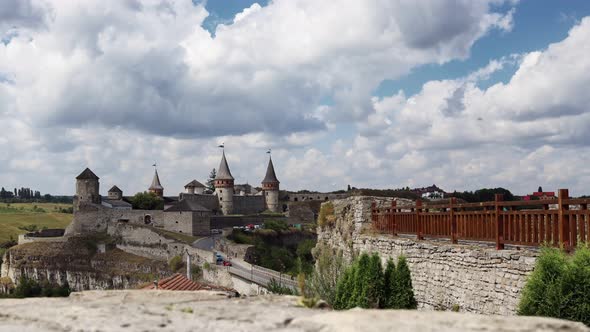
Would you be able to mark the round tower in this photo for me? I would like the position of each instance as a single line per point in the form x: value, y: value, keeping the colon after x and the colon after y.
x: 224, y: 187
x: 87, y: 189
x: 270, y: 187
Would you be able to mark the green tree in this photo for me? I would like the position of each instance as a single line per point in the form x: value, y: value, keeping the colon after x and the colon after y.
x: 211, y: 180
x: 147, y: 201
x: 403, y: 293
x: 344, y: 289
x: 360, y: 280
x: 388, y: 277
x: 373, y: 288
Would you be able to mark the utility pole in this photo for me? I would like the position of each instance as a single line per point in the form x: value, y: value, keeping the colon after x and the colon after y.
x: 188, y: 265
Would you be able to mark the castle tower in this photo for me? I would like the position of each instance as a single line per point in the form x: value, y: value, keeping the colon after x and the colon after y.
x: 115, y: 193
x: 270, y: 186
x: 195, y: 187
x: 87, y: 189
x: 224, y: 187
x: 156, y: 187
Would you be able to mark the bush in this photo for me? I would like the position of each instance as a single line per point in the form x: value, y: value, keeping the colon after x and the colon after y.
x: 176, y: 263
x: 559, y: 286
x: 323, y: 279
x: 276, y: 225
x: 277, y: 288
x: 31, y: 288
x: 326, y: 216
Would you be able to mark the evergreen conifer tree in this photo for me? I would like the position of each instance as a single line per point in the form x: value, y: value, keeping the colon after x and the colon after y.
x: 211, y: 180
x: 360, y: 279
x: 373, y: 288
x: 403, y: 293
x: 388, y: 276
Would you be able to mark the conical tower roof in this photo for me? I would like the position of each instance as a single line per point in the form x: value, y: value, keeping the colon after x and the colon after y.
x: 270, y: 176
x: 87, y: 174
x: 156, y: 182
x: 223, y: 172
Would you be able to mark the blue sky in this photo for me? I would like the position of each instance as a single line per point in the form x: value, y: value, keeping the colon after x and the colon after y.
x: 383, y: 94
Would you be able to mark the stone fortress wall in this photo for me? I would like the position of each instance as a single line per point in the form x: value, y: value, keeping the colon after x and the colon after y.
x: 475, y: 278
x: 249, y: 204
x: 96, y: 218
x: 302, y: 197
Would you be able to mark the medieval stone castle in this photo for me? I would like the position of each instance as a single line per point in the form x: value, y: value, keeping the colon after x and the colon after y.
x: 189, y: 212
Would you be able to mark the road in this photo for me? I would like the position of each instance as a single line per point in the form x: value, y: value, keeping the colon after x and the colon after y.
x: 245, y: 270
x: 206, y: 243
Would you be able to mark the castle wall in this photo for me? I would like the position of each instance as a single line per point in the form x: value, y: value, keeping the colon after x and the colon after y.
x: 210, y: 202
x: 94, y: 218
x: 147, y: 242
x: 248, y: 204
x: 476, y: 278
x: 188, y: 222
x: 301, y: 197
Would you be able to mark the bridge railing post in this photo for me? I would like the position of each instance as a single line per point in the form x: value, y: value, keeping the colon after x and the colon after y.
x: 420, y: 226
x: 454, y: 237
x: 499, y: 220
x: 563, y: 222
x: 393, y: 221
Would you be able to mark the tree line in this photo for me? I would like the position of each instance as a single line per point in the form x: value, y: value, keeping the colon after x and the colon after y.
x: 27, y: 195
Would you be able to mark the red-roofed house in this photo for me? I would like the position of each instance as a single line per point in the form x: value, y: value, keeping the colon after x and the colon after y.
x: 179, y: 282
x: 541, y: 195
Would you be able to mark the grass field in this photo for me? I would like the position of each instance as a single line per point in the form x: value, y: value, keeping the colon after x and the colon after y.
x: 15, y: 215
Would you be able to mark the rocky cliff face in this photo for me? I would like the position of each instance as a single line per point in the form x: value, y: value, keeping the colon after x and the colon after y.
x: 209, y: 311
x: 76, y: 262
x: 472, y: 278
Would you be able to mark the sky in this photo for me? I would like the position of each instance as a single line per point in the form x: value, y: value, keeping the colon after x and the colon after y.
x: 380, y: 93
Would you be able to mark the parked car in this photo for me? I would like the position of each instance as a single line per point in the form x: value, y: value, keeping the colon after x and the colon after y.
x: 216, y: 231
x: 227, y: 263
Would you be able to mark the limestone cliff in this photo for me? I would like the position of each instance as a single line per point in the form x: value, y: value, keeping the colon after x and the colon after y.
x: 76, y: 262
x: 473, y: 278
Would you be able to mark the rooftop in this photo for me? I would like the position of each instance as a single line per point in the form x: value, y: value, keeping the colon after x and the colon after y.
x: 87, y: 174
x: 194, y: 184
x: 223, y: 172
x: 179, y: 282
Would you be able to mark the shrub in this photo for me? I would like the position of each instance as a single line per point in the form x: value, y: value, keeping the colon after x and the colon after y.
x: 176, y: 263
x: 543, y: 291
x: 276, y: 225
x: 323, y: 280
x: 326, y: 216
x: 559, y: 286
x: 277, y: 288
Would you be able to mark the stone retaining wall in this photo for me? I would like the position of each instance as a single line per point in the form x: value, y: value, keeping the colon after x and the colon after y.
x: 477, y: 279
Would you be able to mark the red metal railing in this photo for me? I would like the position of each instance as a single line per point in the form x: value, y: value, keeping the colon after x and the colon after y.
x: 530, y: 223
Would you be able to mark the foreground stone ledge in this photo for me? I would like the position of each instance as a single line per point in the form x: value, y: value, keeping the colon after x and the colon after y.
x: 134, y: 310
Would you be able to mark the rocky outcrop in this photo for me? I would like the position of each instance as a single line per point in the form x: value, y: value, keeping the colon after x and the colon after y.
x: 471, y: 278
x: 77, y: 263
x: 210, y: 311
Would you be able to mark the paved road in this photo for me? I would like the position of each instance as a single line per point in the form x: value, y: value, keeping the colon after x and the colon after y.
x: 206, y: 243
x: 245, y: 270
